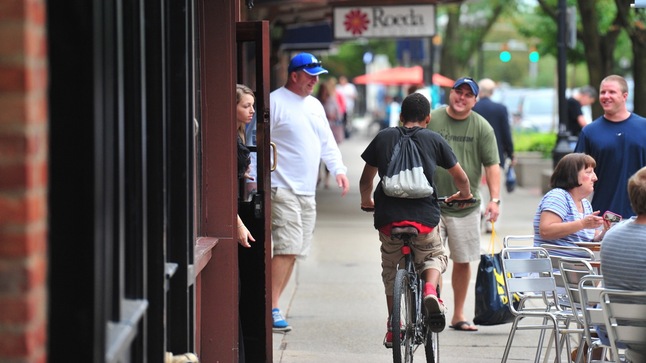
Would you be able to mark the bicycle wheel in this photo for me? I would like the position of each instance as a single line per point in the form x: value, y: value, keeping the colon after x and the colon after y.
x: 403, y: 319
x: 432, y: 347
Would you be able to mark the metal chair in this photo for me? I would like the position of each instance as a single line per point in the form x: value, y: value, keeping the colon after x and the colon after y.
x: 625, y: 317
x: 572, y: 270
x: 518, y: 241
x: 532, y: 277
x: 557, y: 253
x: 590, y: 288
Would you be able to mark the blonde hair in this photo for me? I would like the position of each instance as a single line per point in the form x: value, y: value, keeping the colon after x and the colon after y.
x: 242, y: 90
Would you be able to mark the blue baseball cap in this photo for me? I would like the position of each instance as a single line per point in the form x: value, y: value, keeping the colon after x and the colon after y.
x: 307, y: 63
x: 467, y: 80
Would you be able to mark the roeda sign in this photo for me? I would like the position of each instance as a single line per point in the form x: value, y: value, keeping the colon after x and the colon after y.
x: 384, y: 21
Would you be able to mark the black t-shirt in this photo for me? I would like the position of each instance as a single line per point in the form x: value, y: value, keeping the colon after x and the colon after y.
x: 573, y: 112
x: 434, y: 150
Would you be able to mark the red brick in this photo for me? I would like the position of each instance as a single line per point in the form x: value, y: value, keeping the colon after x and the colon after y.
x: 12, y: 10
x: 13, y: 110
x: 14, y: 344
x: 36, y: 13
x: 17, y: 243
x: 22, y: 275
x: 12, y: 42
x: 21, y: 309
x: 12, y: 176
x: 13, y: 146
x: 16, y: 176
x: 12, y: 78
x: 22, y: 209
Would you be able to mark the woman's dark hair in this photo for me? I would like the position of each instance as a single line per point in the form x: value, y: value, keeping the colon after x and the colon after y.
x: 566, y: 173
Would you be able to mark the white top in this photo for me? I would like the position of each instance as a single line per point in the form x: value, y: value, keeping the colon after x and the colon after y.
x: 349, y: 92
x: 303, y: 138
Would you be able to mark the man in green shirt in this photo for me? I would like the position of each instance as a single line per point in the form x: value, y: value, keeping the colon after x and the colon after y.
x: 474, y: 143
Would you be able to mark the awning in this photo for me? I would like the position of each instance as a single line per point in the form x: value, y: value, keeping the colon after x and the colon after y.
x: 402, y: 76
x: 312, y: 36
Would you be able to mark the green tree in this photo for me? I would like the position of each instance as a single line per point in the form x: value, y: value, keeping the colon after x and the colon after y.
x: 467, y: 26
x: 634, y: 22
x: 607, y: 30
x: 348, y: 60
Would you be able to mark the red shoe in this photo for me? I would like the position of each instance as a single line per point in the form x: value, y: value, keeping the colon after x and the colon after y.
x: 432, y: 303
x: 388, y: 339
x: 435, y: 309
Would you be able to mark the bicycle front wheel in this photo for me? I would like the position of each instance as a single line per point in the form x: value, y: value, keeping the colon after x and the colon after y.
x: 403, y: 319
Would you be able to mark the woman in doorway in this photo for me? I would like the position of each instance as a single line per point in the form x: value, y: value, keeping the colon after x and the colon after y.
x: 245, y: 100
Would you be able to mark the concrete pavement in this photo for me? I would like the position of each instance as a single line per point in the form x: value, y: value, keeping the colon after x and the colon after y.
x: 335, y: 300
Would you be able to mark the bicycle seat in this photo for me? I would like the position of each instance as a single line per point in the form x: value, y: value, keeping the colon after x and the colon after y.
x: 407, y: 231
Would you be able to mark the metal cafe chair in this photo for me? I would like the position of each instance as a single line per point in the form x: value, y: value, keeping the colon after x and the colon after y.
x: 625, y: 317
x: 590, y: 288
x: 572, y: 270
x: 531, y: 276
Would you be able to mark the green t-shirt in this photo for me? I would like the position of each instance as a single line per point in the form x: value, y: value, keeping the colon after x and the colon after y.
x: 474, y: 143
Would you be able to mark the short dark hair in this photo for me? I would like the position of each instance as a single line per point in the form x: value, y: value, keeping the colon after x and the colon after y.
x: 415, y: 108
x: 637, y: 191
x: 566, y: 172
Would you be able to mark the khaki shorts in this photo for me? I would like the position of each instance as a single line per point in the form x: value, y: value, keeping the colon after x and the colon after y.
x: 462, y: 235
x: 292, y: 222
x: 428, y: 250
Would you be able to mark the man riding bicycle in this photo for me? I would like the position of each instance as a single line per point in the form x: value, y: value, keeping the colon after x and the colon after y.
x: 422, y: 213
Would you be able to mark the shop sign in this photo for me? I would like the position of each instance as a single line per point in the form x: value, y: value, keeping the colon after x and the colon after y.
x: 384, y: 21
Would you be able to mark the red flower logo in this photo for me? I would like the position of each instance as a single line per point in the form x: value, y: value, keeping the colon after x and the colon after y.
x: 356, y: 22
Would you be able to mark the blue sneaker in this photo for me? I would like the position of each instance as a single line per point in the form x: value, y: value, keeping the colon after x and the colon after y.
x: 280, y: 324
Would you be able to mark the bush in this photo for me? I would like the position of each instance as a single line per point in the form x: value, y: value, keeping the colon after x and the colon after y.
x: 534, y: 141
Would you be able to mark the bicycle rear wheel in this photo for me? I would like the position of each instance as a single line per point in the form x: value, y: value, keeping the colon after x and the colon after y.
x: 432, y: 347
x: 403, y: 319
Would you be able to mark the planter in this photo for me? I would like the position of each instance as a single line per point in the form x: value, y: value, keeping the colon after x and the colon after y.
x: 530, y: 168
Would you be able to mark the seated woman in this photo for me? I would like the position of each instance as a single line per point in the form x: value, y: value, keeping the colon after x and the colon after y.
x: 564, y: 215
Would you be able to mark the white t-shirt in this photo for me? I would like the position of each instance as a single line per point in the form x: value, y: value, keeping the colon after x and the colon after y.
x: 303, y: 138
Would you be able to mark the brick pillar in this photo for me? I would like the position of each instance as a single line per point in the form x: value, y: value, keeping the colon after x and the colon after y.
x: 23, y: 181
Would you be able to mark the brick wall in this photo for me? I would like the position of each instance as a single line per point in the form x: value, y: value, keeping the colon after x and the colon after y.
x: 23, y: 181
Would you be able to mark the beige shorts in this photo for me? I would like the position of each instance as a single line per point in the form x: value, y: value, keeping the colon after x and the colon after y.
x: 462, y: 235
x: 292, y: 222
x: 428, y: 250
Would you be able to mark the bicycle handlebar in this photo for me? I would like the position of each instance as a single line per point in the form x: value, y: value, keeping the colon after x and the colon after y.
x: 457, y: 201
x: 439, y: 200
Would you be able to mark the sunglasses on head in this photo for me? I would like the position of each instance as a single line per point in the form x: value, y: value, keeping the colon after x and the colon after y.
x: 307, y: 66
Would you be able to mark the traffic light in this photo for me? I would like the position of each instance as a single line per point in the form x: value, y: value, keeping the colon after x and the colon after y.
x: 533, y: 55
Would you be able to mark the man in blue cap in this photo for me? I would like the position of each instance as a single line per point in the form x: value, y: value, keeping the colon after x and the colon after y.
x: 474, y: 143
x: 301, y: 132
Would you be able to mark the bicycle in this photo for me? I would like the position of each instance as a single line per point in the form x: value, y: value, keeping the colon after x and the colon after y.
x: 410, y: 326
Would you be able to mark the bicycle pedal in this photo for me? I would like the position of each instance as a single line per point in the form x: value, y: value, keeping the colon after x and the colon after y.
x: 436, y: 322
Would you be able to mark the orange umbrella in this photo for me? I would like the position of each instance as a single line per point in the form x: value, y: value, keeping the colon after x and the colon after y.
x: 401, y: 76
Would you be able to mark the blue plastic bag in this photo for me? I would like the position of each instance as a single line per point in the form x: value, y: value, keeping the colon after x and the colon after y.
x: 511, y: 178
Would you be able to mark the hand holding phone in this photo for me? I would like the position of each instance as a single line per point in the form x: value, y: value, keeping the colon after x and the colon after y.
x: 611, y: 217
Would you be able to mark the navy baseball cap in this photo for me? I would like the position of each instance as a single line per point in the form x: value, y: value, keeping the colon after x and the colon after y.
x: 470, y: 82
x: 307, y: 63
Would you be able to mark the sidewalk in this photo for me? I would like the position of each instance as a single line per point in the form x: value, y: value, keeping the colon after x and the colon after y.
x: 335, y: 301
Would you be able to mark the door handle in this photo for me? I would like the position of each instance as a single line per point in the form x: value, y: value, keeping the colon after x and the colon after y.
x: 275, y: 152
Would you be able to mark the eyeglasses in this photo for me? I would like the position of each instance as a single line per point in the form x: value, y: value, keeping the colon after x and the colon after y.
x: 306, y: 66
